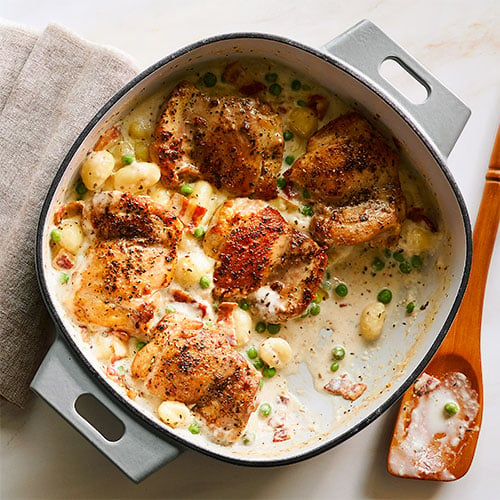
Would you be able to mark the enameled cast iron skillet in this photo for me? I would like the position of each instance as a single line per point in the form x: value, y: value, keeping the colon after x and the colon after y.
x: 349, y: 65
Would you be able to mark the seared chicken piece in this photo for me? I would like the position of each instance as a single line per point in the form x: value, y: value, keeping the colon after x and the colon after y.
x: 352, y: 174
x: 262, y: 259
x: 190, y: 362
x: 133, y: 256
x: 235, y: 143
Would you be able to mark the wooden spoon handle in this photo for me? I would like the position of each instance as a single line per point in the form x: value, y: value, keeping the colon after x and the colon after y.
x: 469, y: 315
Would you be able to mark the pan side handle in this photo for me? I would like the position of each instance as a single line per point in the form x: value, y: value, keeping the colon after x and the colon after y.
x: 441, y: 117
x: 61, y: 380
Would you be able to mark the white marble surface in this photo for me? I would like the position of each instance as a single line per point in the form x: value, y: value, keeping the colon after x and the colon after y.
x: 459, y: 41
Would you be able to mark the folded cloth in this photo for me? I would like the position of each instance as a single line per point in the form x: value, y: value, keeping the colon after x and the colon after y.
x: 50, y: 86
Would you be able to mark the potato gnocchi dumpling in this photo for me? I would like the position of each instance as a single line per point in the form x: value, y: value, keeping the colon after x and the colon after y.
x: 275, y: 352
x: 96, y: 168
x: 372, y: 320
x: 174, y: 413
x: 71, y: 235
x: 137, y: 177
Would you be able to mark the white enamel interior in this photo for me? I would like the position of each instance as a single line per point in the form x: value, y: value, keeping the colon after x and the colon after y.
x: 352, y: 91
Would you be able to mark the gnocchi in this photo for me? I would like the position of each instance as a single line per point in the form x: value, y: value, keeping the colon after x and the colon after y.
x: 191, y: 268
x: 71, y: 235
x: 372, y: 320
x: 140, y: 129
x: 416, y: 238
x: 174, y: 413
x: 275, y: 352
x: 110, y: 346
x: 96, y: 168
x: 243, y: 326
x: 303, y: 122
x: 137, y: 177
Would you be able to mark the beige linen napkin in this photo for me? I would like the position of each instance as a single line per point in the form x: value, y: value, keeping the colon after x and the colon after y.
x: 50, y: 86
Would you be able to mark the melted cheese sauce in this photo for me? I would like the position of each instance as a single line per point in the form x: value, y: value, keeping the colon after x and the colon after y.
x: 302, y: 411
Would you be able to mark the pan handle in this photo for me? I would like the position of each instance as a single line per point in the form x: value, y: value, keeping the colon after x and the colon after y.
x: 60, y: 381
x: 441, y: 117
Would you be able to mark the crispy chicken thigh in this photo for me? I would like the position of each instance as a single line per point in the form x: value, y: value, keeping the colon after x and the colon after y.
x: 190, y: 362
x: 236, y: 143
x: 133, y: 255
x: 352, y: 174
x: 262, y: 259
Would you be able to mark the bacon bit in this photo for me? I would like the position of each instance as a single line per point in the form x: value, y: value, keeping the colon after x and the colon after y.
x: 111, y: 135
x: 234, y: 73
x: 284, y: 399
x: 120, y: 334
x: 186, y: 298
x: 252, y: 88
x: 281, y: 434
x: 69, y: 210
x: 342, y: 304
x: 63, y: 260
x: 345, y: 387
x: 116, y: 358
x: 131, y: 393
x: 318, y: 104
x: 188, y: 212
x: 425, y: 383
x: 225, y: 321
x: 282, y: 110
x: 416, y: 214
x: 111, y: 371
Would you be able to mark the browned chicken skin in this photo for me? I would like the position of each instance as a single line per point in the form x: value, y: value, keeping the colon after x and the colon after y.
x: 190, y: 362
x: 262, y: 259
x: 352, y: 174
x: 133, y: 256
x: 234, y: 142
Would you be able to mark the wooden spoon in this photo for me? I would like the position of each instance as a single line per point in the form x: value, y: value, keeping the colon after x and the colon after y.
x: 459, y: 352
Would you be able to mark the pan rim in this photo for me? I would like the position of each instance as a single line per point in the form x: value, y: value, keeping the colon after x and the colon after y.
x: 146, y: 420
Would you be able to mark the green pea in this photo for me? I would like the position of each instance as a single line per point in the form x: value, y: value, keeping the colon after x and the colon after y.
x: 301, y: 103
x: 416, y: 261
x: 244, y: 305
x: 260, y: 327
x: 199, y: 232
x: 194, y: 428
x: 80, y: 188
x: 275, y: 89
x: 209, y: 79
x: 384, y: 296
x: 306, y: 210
x: 252, y: 352
x: 410, y: 307
x: 289, y: 159
x: 281, y: 182
x: 128, y: 159
x: 204, y: 282
x: 139, y: 346
x: 314, y: 309
x: 305, y: 193
x: 186, y: 189
x: 341, y: 290
x: 269, y: 372
x: 296, y: 85
x: 387, y: 253
x: 338, y: 353
x: 378, y: 264
x: 271, y: 77
x: 334, y: 366
x: 405, y: 268
x: 273, y: 328
x: 317, y: 299
x: 398, y: 256
x: 306, y: 314
x: 248, y: 438
x: 265, y: 410
x: 258, y: 363
x: 287, y: 135
x: 451, y: 408
x: 169, y: 310
x: 63, y: 278
x: 55, y: 235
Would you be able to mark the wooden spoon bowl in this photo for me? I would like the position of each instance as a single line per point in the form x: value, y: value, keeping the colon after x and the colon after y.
x: 459, y: 352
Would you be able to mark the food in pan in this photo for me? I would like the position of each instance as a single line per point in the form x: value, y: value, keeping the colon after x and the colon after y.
x: 238, y: 229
